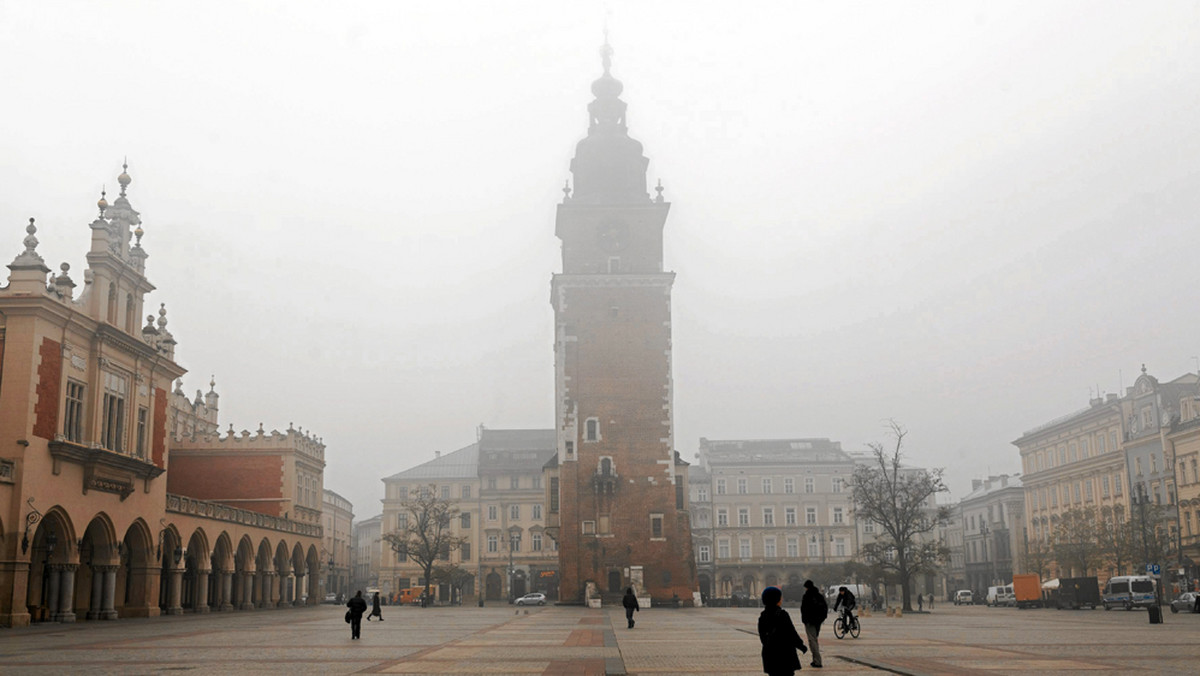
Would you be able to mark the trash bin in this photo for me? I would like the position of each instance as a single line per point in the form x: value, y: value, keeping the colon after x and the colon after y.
x: 1155, y: 614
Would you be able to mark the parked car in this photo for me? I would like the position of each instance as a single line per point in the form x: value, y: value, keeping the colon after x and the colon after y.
x: 330, y: 598
x: 964, y: 597
x: 1185, y: 602
x: 1129, y: 592
x: 534, y: 599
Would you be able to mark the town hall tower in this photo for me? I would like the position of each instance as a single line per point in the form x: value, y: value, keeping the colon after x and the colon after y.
x: 619, y: 490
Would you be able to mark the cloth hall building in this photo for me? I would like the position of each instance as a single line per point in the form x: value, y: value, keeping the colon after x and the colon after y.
x: 118, y: 496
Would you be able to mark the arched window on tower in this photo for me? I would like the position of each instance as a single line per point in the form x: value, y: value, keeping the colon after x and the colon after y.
x: 591, y: 429
x: 606, y: 467
x: 112, y: 304
x: 130, y: 315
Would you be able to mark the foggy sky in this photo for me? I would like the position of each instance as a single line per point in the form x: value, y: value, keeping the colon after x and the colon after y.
x: 965, y: 216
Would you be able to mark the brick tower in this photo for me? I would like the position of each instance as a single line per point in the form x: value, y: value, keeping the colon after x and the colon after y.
x: 621, y: 502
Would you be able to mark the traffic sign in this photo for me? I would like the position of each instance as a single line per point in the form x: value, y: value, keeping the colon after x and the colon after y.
x: 1153, y: 568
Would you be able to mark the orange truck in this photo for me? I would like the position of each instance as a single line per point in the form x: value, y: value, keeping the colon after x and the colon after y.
x: 1027, y: 588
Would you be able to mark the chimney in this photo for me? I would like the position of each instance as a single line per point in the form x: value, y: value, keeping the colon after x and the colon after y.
x: 1110, y: 397
x: 1003, y: 480
x: 437, y: 454
x: 975, y: 484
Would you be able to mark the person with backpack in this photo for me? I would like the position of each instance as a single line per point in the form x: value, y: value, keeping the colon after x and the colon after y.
x: 813, y: 611
x: 778, y: 636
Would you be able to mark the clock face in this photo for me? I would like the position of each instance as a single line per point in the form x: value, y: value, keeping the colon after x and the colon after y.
x: 613, y: 236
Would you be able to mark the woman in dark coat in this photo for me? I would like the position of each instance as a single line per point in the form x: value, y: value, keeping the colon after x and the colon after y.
x: 357, y: 606
x: 631, y: 604
x: 778, y: 635
x: 375, y: 612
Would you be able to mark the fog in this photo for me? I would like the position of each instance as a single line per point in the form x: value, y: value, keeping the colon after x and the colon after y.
x: 966, y: 216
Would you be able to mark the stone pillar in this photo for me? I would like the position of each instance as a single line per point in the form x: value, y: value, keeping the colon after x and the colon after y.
x: 247, y: 591
x: 298, y: 590
x: 66, y: 592
x: 93, y: 612
x: 260, y: 589
x: 14, y: 587
x: 108, y: 611
x: 175, y: 592
x: 201, y: 591
x: 51, y: 582
x: 226, y: 590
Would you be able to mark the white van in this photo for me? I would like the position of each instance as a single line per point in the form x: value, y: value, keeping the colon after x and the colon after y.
x: 862, y: 594
x: 1128, y: 592
x: 1001, y: 595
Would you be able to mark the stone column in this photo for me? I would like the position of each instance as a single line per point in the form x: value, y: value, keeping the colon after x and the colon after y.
x: 247, y: 591
x: 93, y: 612
x: 298, y: 590
x: 260, y: 589
x: 52, y: 579
x: 66, y: 594
x: 201, y: 591
x: 175, y: 593
x: 226, y: 590
x: 108, y: 611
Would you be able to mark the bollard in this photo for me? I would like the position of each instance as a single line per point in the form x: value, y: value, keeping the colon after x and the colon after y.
x: 899, y: 612
x: 891, y: 611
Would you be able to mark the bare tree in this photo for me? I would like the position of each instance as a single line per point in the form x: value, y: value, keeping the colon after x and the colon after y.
x: 901, y: 501
x: 1077, y: 540
x: 454, y: 575
x: 426, y: 534
x: 1116, y: 538
x: 1038, y: 555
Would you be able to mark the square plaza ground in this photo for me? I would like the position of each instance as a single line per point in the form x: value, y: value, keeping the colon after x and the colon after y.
x: 570, y: 640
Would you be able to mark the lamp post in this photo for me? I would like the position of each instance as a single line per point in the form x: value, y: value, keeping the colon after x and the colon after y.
x: 513, y: 539
x: 984, y: 532
x: 1141, y: 500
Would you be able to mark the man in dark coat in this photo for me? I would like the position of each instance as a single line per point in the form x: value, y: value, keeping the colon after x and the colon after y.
x: 357, y: 606
x: 813, y: 611
x: 631, y: 604
x: 778, y: 636
x: 375, y: 612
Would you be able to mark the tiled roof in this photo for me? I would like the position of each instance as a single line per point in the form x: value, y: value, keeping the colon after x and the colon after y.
x: 516, y: 450
x: 773, y: 450
x: 460, y: 464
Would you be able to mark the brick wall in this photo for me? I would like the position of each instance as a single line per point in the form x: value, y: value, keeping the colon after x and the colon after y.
x: 229, y: 477
x: 1, y: 361
x: 158, y: 446
x: 49, y: 370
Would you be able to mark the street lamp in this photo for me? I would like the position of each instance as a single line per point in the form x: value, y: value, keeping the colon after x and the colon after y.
x: 984, y: 532
x: 1141, y: 500
x: 513, y: 539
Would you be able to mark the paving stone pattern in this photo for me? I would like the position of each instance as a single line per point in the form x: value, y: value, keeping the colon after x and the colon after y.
x: 578, y: 641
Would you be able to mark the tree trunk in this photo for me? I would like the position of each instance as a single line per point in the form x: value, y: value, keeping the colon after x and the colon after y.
x: 902, y: 565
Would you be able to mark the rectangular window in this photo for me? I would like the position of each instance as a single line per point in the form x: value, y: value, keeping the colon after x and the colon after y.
x: 839, y: 547
x: 1100, y: 443
x: 723, y: 549
x: 464, y: 552
x: 679, y: 492
x: 589, y: 527
x: 769, y: 548
x: 789, y: 485
x: 535, y: 542
x: 493, y: 513
x: 143, y: 419
x: 445, y: 492
x: 768, y: 516
x: 810, y: 516
x: 810, y: 485
x: 537, y: 511
x: 73, y: 419
x: 766, y: 486
x: 793, y: 548
x: 722, y: 517
x: 554, y: 495
x: 702, y: 494
x: 493, y: 544
x: 744, y: 548
x: 814, y: 547
x: 537, y: 481
x: 491, y: 483
x: 514, y: 542
x: 720, y: 487
x: 465, y: 519
x: 592, y: 430
x: 789, y: 516
x: 1118, y: 486
x: 1104, y: 484
x: 514, y: 512
x: 838, y: 513
x: 705, y: 554
x: 466, y: 492
x: 837, y: 484
x: 869, y: 527
x: 1083, y: 448
x: 1087, y: 490
x: 514, y: 482
x: 656, y: 525
x: 742, y: 488
x: 743, y: 516
x: 402, y: 492
x: 570, y: 446
x: 112, y: 433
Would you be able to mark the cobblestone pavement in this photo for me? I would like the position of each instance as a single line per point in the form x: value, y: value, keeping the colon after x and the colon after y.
x: 578, y: 641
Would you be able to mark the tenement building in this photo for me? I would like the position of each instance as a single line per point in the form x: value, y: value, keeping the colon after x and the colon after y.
x: 619, y: 505
x: 770, y: 512
x: 97, y: 518
x: 337, y: 516
x: 367, y: 553
x: 497, y: 484
x: 993, y: 535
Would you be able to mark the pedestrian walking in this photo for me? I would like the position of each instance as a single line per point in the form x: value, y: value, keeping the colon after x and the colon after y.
x: 357, y: 606
x: 375, y: 611
x: 778, y: 636
x: 631, y: 605
x: 920, y: 603
x: 931, y: 600
x: 813, y: 611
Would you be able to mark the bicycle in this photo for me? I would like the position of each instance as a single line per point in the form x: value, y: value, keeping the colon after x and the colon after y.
x: 842, y: 626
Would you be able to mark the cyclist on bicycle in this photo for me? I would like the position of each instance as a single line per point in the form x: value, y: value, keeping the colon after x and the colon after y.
x: 846, y: 601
